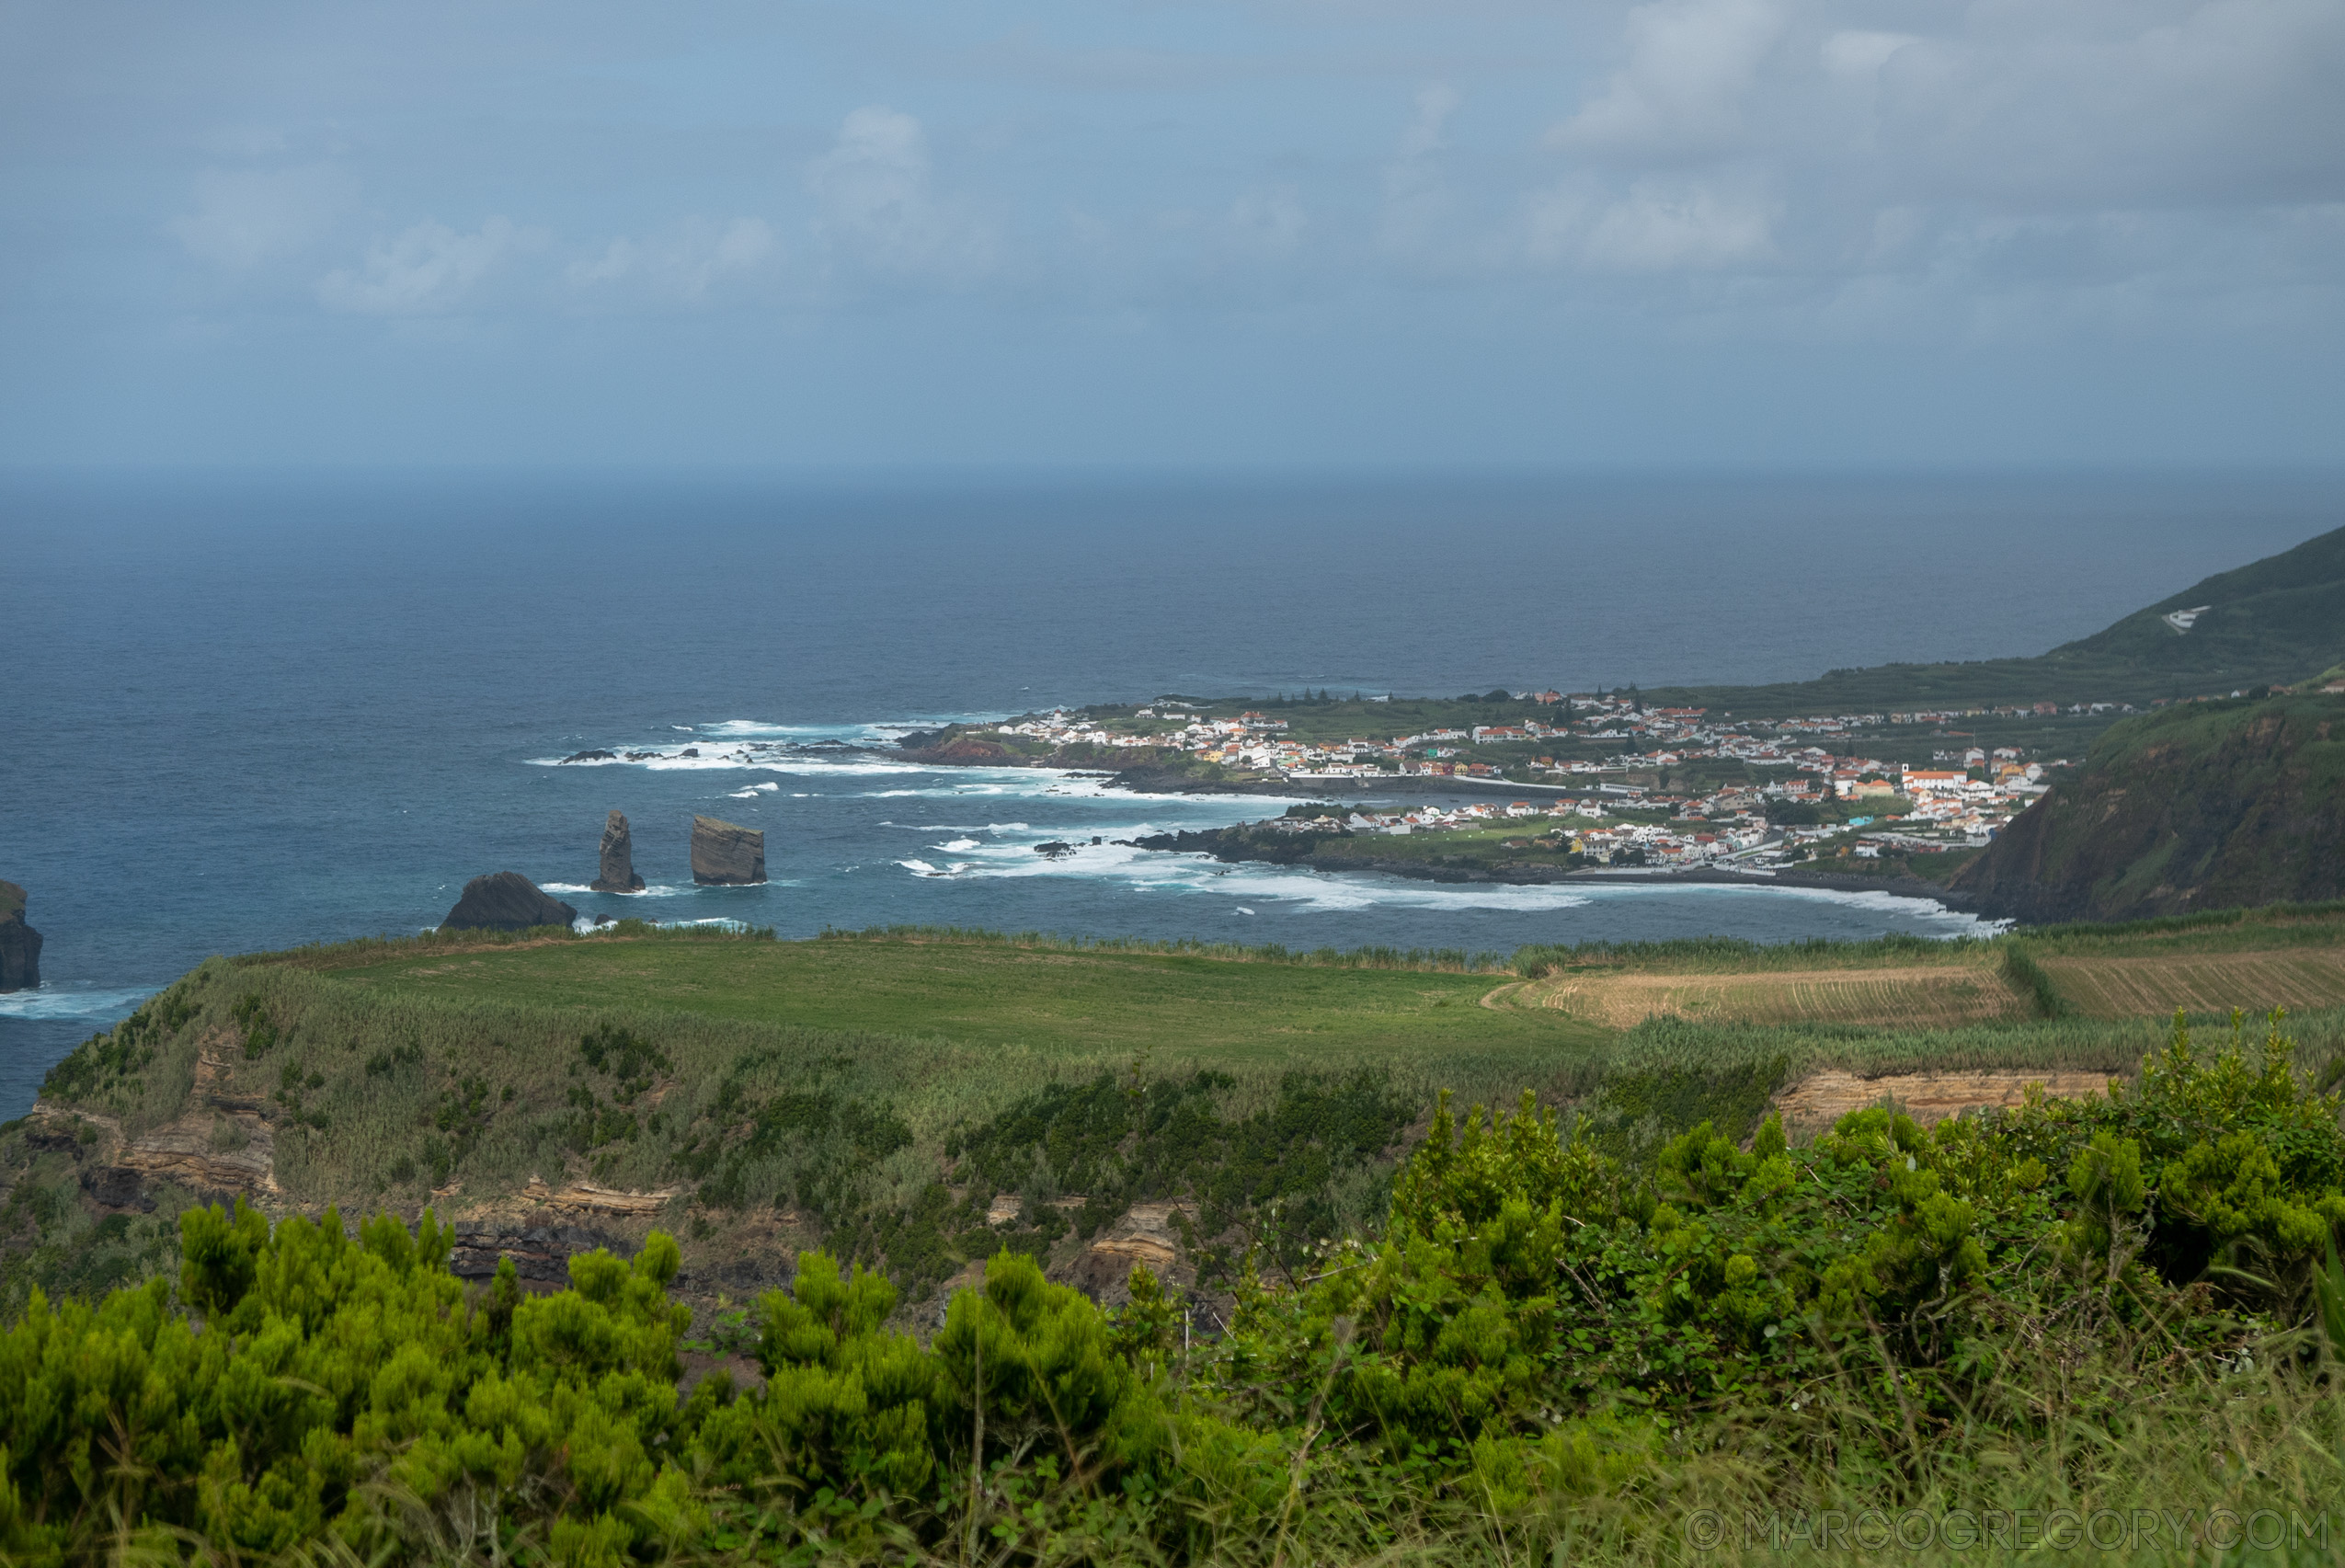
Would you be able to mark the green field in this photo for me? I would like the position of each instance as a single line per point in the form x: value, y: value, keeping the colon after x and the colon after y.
x: 1081, y: 1007
x: 760, y: 1094
x: 920, y: 1101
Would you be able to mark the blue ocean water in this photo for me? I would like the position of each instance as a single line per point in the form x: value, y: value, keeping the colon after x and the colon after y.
x: 240, y: 712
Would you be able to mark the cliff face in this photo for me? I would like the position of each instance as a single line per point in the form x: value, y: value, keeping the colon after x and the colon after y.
x: 618, y: 854
x: 2202, y: 807
x: 19, y: 944
x: 725, y: 854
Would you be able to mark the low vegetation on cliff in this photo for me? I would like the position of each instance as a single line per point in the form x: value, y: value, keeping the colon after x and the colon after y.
x: 2202, y: 805
x: 2124, y: 1311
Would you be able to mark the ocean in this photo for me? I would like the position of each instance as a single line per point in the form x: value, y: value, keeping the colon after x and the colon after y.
x: 247, y: 710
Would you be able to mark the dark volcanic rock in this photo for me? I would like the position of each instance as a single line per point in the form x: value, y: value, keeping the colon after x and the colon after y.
x: 618, y: 859
x: 591, y: 757
x: 540, y: 1254
x: 118, y: 1186
x: 506, y: 901
x: 19, y: 944
x: 725, y: 854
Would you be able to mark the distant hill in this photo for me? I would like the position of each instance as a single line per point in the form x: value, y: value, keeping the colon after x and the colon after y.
x: 2202, y: 806
x: 2273, y: 622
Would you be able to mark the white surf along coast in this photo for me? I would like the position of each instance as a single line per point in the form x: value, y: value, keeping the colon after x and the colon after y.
x: 835, y: 786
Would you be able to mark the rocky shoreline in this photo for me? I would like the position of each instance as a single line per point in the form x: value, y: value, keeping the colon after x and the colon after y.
x: 967, y: 751
x: 1225, y: 845
x: 1145, y: 778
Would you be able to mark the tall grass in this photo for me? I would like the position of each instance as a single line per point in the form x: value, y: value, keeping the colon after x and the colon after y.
x: 2280, y: 924
x: 2021, y: 969
x: 1737, y: 954
x: 356, y: 951
x: 1431, y: 961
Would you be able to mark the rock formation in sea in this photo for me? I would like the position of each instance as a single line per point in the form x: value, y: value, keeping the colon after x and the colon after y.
x: 725, y: 854
x: 20, y: 944
x: 506, y: 901
x: 618, y: 859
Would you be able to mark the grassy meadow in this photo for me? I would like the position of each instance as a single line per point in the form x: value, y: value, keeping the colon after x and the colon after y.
x: 1079, y: 1006
x: 920, y: 1101
x: 885, y: 1087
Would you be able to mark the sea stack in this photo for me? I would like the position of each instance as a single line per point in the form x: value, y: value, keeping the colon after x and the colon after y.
x: 20, y: 944
x: 725, y: 854
x: 506, y: 901
x: 618, y: 859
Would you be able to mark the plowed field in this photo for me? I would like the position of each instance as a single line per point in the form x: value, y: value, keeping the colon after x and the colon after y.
x: 2296, y: 979
x: 1924, y: 994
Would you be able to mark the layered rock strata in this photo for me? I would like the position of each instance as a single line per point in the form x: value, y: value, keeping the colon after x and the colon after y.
x: 725, y: 854
x: 618, y: 859
x: 19, y: 944
x: 506, y: 901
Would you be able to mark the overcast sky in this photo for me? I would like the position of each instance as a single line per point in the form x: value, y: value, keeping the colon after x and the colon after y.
x: 1458, y: 232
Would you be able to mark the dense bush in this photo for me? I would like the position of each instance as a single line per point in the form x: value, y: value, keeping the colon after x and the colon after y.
x: 1548, y: 1343
x: 319, y: 1386
x: 1528, y: 1283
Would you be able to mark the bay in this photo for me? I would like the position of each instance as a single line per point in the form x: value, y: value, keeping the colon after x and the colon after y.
x: 247, y: 711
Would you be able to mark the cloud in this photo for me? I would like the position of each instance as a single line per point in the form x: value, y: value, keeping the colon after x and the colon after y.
x: 1683, y: 226
x: 2097, y: 104
x: 1859, y: 55
x: 1692, y: 64
x: 876, y: 204
x: 1267, y: 221
x: 687, y: 261
x: 429, y: 269
x: 2073, y: 163
x: 245, y: 217
x: 1414, y: 197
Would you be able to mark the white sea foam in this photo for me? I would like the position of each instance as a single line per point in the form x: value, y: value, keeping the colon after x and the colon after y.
x: 649, y: 890
x: 1314, y: 891
x: 72, y: 1002
x: 957, y: 846
x: 959, y: 827
x: 870, y: 729
x: 1143, y: 871
x: 1957, y: 923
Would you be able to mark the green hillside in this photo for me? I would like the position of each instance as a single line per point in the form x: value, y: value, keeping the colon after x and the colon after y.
x: 2204, y: 806
x: 2273, y: 622
x: 1331, y: 1323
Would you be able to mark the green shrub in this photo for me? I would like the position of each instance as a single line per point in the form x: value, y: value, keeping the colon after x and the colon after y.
x: 1547, y: 1346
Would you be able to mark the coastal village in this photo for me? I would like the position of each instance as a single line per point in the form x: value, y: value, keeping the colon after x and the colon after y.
x: 1598, y: 769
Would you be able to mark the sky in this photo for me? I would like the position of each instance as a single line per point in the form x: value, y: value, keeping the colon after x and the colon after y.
x: 1200, y: 234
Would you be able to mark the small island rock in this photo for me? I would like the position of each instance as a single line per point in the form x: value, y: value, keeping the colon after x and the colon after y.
x: 725, y: 854
x: 19, y: 944
x: 506, y: 901
x: 618, y: 859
